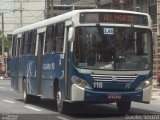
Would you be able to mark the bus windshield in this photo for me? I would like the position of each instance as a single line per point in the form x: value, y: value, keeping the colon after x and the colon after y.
x: 113, y: 48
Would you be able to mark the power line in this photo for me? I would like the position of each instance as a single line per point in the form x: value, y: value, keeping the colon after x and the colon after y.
x: 24, y: 10
x: 15, y: 23
x: 21, y: 19
x: 18, y: 17
x: 36, y: 18
x: 22, y: 1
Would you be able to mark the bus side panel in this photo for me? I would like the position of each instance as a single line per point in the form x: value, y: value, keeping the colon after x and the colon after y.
x: 52, y: 68
x: 13, y: 73
x: 27, y: 70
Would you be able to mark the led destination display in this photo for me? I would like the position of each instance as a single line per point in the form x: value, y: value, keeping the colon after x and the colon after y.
x: 113, y: 18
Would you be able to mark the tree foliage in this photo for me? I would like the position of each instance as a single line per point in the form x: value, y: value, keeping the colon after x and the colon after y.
x: 7, y: 44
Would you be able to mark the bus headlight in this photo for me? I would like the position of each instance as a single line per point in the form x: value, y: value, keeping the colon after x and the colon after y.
x: 80, y: 82
x: 144, y: 84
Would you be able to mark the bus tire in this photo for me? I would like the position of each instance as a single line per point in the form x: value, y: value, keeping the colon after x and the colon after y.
x: 123, y: 107
x: 60, y: 104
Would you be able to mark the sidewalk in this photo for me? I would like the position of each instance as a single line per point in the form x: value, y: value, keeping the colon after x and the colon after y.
x: 155, y: 94
x: 155, y: 91
x: 1, y: 78
x: 6, y: 78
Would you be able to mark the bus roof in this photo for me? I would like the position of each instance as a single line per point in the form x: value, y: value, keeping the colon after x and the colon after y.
x: 67, y: 16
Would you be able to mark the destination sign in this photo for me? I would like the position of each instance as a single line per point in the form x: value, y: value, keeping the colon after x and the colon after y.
x: 119, y: 18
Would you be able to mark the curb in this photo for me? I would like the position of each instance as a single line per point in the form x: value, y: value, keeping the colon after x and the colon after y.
x: 155, y: 97
x: 5, y: 79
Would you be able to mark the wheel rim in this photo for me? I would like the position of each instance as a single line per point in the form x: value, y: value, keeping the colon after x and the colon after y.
x: 24, y: 94
x: 59, y: 101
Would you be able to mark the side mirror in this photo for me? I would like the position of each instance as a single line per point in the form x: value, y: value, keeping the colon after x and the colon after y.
x: 71, y: 34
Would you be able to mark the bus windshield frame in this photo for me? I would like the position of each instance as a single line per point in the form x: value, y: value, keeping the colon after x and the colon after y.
x: 112, y: 48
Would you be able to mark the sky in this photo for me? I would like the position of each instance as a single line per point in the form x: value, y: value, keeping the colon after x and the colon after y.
x: 33, y: 11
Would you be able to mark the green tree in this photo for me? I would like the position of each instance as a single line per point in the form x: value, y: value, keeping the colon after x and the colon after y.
x: 7, y: 44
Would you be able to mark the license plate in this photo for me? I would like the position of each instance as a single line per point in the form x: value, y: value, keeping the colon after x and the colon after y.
x: 114, y: 96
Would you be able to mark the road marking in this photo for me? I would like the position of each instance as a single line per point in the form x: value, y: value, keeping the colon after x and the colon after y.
x: 33, y: 108
x: 8, y: 101
x: 62, y: 118
x: 11, y: 89
x: 5, y: 83
x: 2, y: 88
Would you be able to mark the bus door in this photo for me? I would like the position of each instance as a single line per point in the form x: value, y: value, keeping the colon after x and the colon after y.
x: 17, y: 84
x: 40, y: 42
x: 67, y: 60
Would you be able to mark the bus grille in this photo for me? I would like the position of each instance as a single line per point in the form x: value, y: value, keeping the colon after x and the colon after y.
x: 115, y: 78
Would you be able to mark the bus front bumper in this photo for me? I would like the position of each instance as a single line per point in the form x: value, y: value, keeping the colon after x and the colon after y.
x: 79, y: 94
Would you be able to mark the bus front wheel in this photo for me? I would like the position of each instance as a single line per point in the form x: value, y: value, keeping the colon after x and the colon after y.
x: 124, y: 106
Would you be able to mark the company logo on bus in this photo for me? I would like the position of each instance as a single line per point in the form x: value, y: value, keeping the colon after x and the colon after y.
x: 114, y: 78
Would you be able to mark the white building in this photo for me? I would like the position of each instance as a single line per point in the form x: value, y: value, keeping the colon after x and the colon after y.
x: 19, y: 13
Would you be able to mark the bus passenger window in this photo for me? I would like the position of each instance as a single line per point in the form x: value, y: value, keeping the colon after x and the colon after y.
x: 25, y: 44
x: 29, y: 42
x: 33, y: 41
x: 49, y: 41
x: 59, y: 38
x: 14, y: 45
x: 22, y: 44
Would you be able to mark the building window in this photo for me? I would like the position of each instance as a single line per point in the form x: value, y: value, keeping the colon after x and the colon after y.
x: 153, y: 12
x: 153, y: 1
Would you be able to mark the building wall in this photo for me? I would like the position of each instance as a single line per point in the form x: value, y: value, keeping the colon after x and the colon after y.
x: 157, y: 42
x: 67, y: 2
x: 49, y: 8
x: 56, y: 8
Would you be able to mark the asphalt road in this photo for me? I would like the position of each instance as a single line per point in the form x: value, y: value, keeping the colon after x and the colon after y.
x: 12, y: 107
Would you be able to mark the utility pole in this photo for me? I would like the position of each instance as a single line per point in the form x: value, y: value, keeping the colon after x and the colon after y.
x: 21, y: 13
x: 98, y: 4
x: 21, y: 10
x: 2, y: 14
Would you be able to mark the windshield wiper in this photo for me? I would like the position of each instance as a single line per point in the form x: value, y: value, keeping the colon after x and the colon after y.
x: 130, y: 32
x: 99, y: 28
x: 128, y: 36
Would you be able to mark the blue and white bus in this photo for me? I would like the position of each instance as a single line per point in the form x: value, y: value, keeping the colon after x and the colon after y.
x: 92, y: 56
